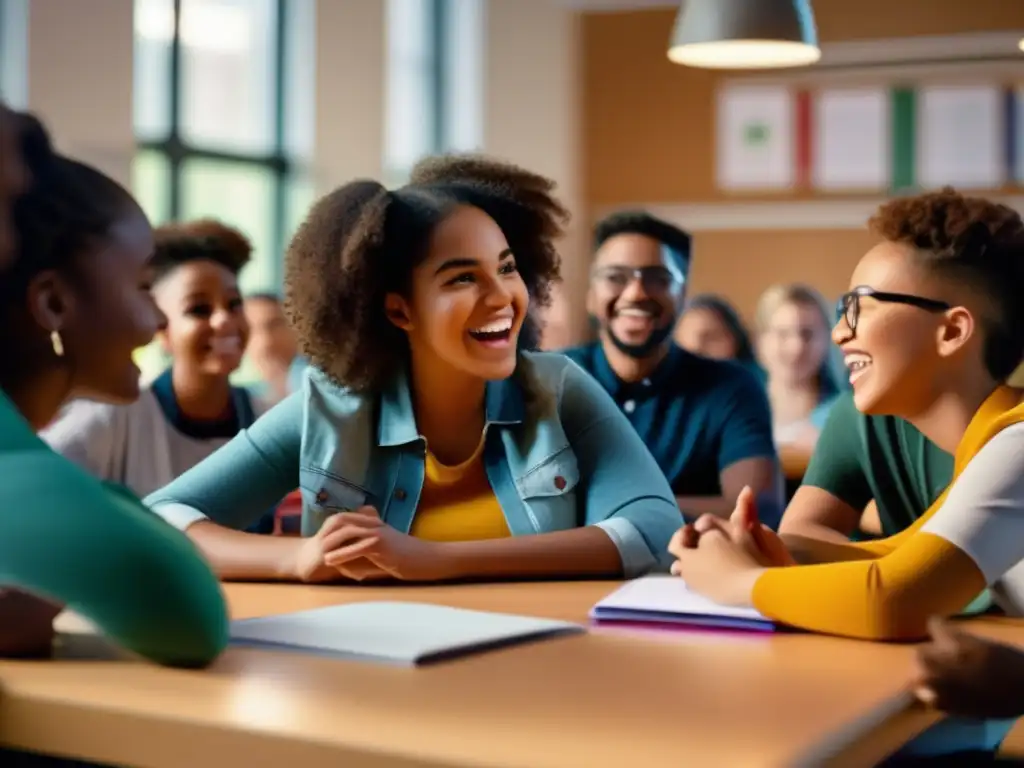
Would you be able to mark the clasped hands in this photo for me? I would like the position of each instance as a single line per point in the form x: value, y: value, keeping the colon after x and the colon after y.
x: 360, y: 546
x: 722, y: 559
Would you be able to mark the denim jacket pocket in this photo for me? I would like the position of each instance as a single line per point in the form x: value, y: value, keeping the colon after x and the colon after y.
x: 324, y: 495
x: 549, y: 492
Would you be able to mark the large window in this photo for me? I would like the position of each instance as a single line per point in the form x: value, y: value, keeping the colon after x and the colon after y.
x: 223, y: 117
x: 434, y: 80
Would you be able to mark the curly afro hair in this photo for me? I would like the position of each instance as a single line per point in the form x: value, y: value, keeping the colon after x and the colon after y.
x: 361, y: 242
x: 974, y: 242
x: 204, y: 240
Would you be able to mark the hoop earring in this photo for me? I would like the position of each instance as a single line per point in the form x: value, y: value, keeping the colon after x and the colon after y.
x: 57, y: 343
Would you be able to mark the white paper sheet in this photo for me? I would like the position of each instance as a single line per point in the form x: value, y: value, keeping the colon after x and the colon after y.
x: 400, y: 633
x: 960, y: 137
x: 667, y: 599
x: 755, y: 137
x: 851, y: 139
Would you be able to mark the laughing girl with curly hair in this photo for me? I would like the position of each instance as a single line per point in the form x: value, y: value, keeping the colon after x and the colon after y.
x: 428, y: 440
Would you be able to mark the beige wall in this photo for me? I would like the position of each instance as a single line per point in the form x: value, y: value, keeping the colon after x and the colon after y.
x: 80, y: 78
x: 532, y: 118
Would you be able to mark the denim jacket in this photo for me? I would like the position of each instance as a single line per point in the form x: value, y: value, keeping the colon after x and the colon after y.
x: 559, y: 458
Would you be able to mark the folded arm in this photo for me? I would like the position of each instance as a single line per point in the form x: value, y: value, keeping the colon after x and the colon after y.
x: 67, y: 539
x: 974, y: 535
x: 231, y: 489
x: 622, y: 492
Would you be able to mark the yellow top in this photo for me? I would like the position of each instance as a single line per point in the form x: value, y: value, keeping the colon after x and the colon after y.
x: 887, y: 589
x: 457, y: 503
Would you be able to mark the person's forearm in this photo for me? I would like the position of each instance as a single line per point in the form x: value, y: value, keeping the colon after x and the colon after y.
x: 240, y: 556
x: 815, y: 544
x: 587, y: 551
x: 26, y: 624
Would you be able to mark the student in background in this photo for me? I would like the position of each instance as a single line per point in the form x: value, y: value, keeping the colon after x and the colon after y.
x: 191, y: 409
x: 74, y: 300
x: 803, y: 370
x: 273, y: 345
x: 931, y: 329
x: 706, y: 422
x: 711, y: 327
x: 794, y: 346
x: 428, y: 443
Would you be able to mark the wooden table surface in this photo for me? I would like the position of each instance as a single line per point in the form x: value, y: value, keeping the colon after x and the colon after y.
x: 606, y: 698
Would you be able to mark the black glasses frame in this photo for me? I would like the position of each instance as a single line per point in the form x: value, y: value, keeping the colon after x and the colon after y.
x: 848, y: 306
x: 654, y: 278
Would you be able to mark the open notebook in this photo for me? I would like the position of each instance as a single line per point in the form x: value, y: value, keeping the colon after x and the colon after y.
x: 398, y: 633
x: 667, y: 600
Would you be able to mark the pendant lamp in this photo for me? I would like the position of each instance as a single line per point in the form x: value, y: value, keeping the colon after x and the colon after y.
x: 744, y: 34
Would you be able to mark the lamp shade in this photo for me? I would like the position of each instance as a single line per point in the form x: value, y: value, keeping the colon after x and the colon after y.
x: 744, y: 34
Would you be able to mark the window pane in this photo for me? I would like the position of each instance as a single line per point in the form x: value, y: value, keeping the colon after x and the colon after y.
x: 14, y: 52
x: 300, y: 79
x: 151, y: 100
x: 411, y: 103
x: 464, y: 68
x: 151, y: 185
x: 228, y: 74
x: 241, y: 196
x: 152, y: 360
x: 301, y: 197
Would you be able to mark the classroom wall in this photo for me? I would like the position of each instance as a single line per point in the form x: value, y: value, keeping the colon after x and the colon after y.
x: 79, y: 80
x: 648, y: 139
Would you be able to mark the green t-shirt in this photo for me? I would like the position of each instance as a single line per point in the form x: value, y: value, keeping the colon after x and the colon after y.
x: 859, y: 458
x: 68, y: 537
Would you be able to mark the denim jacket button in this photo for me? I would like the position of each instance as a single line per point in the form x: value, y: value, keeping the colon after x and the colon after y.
x: 560, y: 482
x: 400, y: 494
x: 321, y: 497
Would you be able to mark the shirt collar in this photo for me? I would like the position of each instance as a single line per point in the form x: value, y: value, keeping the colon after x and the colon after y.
x: 504, y: 403
x: 666, y: 371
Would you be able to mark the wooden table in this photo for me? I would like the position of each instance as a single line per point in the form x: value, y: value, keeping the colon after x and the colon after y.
x: 607, y: 698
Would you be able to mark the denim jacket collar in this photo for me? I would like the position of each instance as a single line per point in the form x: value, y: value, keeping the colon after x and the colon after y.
x: 504, y: 403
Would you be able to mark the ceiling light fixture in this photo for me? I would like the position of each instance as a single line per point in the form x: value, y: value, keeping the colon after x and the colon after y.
x: 744, y: 34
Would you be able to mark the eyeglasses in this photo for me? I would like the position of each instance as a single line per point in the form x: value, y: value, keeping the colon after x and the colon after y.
x: 849, y: 303
x: 654, y: 279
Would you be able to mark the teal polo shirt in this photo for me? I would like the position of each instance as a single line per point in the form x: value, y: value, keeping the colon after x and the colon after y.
x: 696, y: 415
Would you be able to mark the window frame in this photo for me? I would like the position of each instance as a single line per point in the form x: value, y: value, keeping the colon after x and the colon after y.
x: 177, y: 152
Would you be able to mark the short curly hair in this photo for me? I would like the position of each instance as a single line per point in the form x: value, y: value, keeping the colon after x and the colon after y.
x: 974, y: 242
x: 362, y: 241
x: 643, y: 223
x: 203, y: 240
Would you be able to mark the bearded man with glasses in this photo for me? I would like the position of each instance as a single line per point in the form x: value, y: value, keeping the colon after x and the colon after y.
x: 707, y: 422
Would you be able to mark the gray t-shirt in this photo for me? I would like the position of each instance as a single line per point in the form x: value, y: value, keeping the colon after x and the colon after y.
x: 135, y: 445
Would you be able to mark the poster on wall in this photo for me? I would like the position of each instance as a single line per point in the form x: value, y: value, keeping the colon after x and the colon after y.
x: 754, y: 140
x: 960, y: 136
x: 851, y: 139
